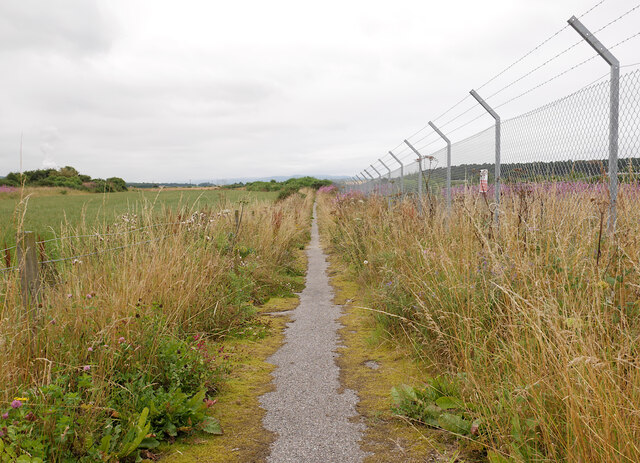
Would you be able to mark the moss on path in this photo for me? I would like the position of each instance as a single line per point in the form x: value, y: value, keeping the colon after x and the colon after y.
x: 371, y: 366
x: 238, y: 409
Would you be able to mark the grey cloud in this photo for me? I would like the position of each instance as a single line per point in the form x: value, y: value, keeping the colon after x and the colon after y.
x: 65, y: 26
x: 153, y: 90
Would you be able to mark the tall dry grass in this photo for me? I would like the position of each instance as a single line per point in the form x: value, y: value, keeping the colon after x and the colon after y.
x: 180, y: 274
x: 537, y: 320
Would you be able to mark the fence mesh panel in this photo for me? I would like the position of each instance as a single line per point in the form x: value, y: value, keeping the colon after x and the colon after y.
x: 565, y: 142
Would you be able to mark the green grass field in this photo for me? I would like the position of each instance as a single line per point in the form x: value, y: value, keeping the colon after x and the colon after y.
x: 46, y: 210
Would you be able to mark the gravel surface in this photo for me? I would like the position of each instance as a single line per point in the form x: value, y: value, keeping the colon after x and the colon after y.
x: 312, y: 416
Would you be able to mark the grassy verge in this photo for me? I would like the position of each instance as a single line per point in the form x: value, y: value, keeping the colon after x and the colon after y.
x: 530, y: 331
x: 45, y: 210
x: 126, y: 347
x: 372, y: 366
x: 238, y: 407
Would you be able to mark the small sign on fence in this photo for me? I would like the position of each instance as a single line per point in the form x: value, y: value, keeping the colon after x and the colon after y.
x: 484, y: 180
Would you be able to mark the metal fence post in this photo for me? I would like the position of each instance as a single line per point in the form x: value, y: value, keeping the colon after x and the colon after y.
x: 614, y: 107
x: 361, y: 183
x: 358, y: 181
x: 28, y: 265
x: 371, y: 182
x: 448, y: 163
x: 388, y: 181
x: 379, y: 177
x: 401, y: 172
x: 490, y: 110
x: 386, y: 167
x: 420, y: 174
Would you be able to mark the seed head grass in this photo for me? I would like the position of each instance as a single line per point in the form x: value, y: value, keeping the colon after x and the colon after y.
x: 537, y: 319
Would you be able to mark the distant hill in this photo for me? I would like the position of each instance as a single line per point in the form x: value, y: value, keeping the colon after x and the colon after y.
x: 231, y: 181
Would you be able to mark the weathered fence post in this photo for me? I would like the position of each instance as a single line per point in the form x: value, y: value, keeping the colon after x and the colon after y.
x: 388, y: 194
x: 372, y: 182
x: 358, y: 186
x: 448, y: 190
x: 496, y: 117
x: 379, y: 177
x: 28, y: 267
x: 401, y: 173
x: 614, y: 107
x: 420, y: 175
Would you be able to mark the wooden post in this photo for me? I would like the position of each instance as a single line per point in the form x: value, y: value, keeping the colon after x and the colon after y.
x: 28, y: 265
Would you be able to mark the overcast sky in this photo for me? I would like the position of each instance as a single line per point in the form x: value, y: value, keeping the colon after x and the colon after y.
x: 163, y: 90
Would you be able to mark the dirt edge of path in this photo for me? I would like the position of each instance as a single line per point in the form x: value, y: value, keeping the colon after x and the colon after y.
x: 245, y: 440
x: 372, y: 366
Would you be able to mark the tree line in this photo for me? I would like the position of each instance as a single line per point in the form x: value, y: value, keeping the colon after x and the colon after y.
x: 67, y: 177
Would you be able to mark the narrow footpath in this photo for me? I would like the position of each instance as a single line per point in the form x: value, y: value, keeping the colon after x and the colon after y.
x: 311, y: 414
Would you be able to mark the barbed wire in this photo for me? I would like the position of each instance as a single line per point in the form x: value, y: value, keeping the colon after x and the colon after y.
x: 522, y: 58
x: 511, y: 84
x: 467, y: 123
x: 432, y: 134
x: 626, y: 40
x: 592, y: 8
x: 475, y: 106
x: 563, y: 52
x: 618, y: 18
x: 542, y: 84
x: 548, y: 39
x: 428, y: 144
x: 451, y: 108
x: 563, y: 72
x: 8, y: 249
x: 537, y: 47
x: 401, y: 154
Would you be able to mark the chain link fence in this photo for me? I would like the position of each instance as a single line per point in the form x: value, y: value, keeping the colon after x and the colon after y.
x: 564, y: 144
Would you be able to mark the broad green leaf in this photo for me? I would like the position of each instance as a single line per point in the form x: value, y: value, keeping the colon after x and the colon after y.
x: 196, y: 402
x: 433, y: 422
x: 447, y: 403
x: 149, y: 443
x: 402, y: 393
x: 431, y: 411
x: 104, y: 443
x: 171, y: 429
x: 211, y: 425
x: 454, y: 423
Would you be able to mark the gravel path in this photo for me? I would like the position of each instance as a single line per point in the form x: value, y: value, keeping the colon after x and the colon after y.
x: 306, y: 410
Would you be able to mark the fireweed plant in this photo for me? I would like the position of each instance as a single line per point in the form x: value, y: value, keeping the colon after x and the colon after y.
x: 531, y: 328
x: 126, y: 346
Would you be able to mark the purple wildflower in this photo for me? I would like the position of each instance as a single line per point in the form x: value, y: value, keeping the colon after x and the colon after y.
x: 16, y: 404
